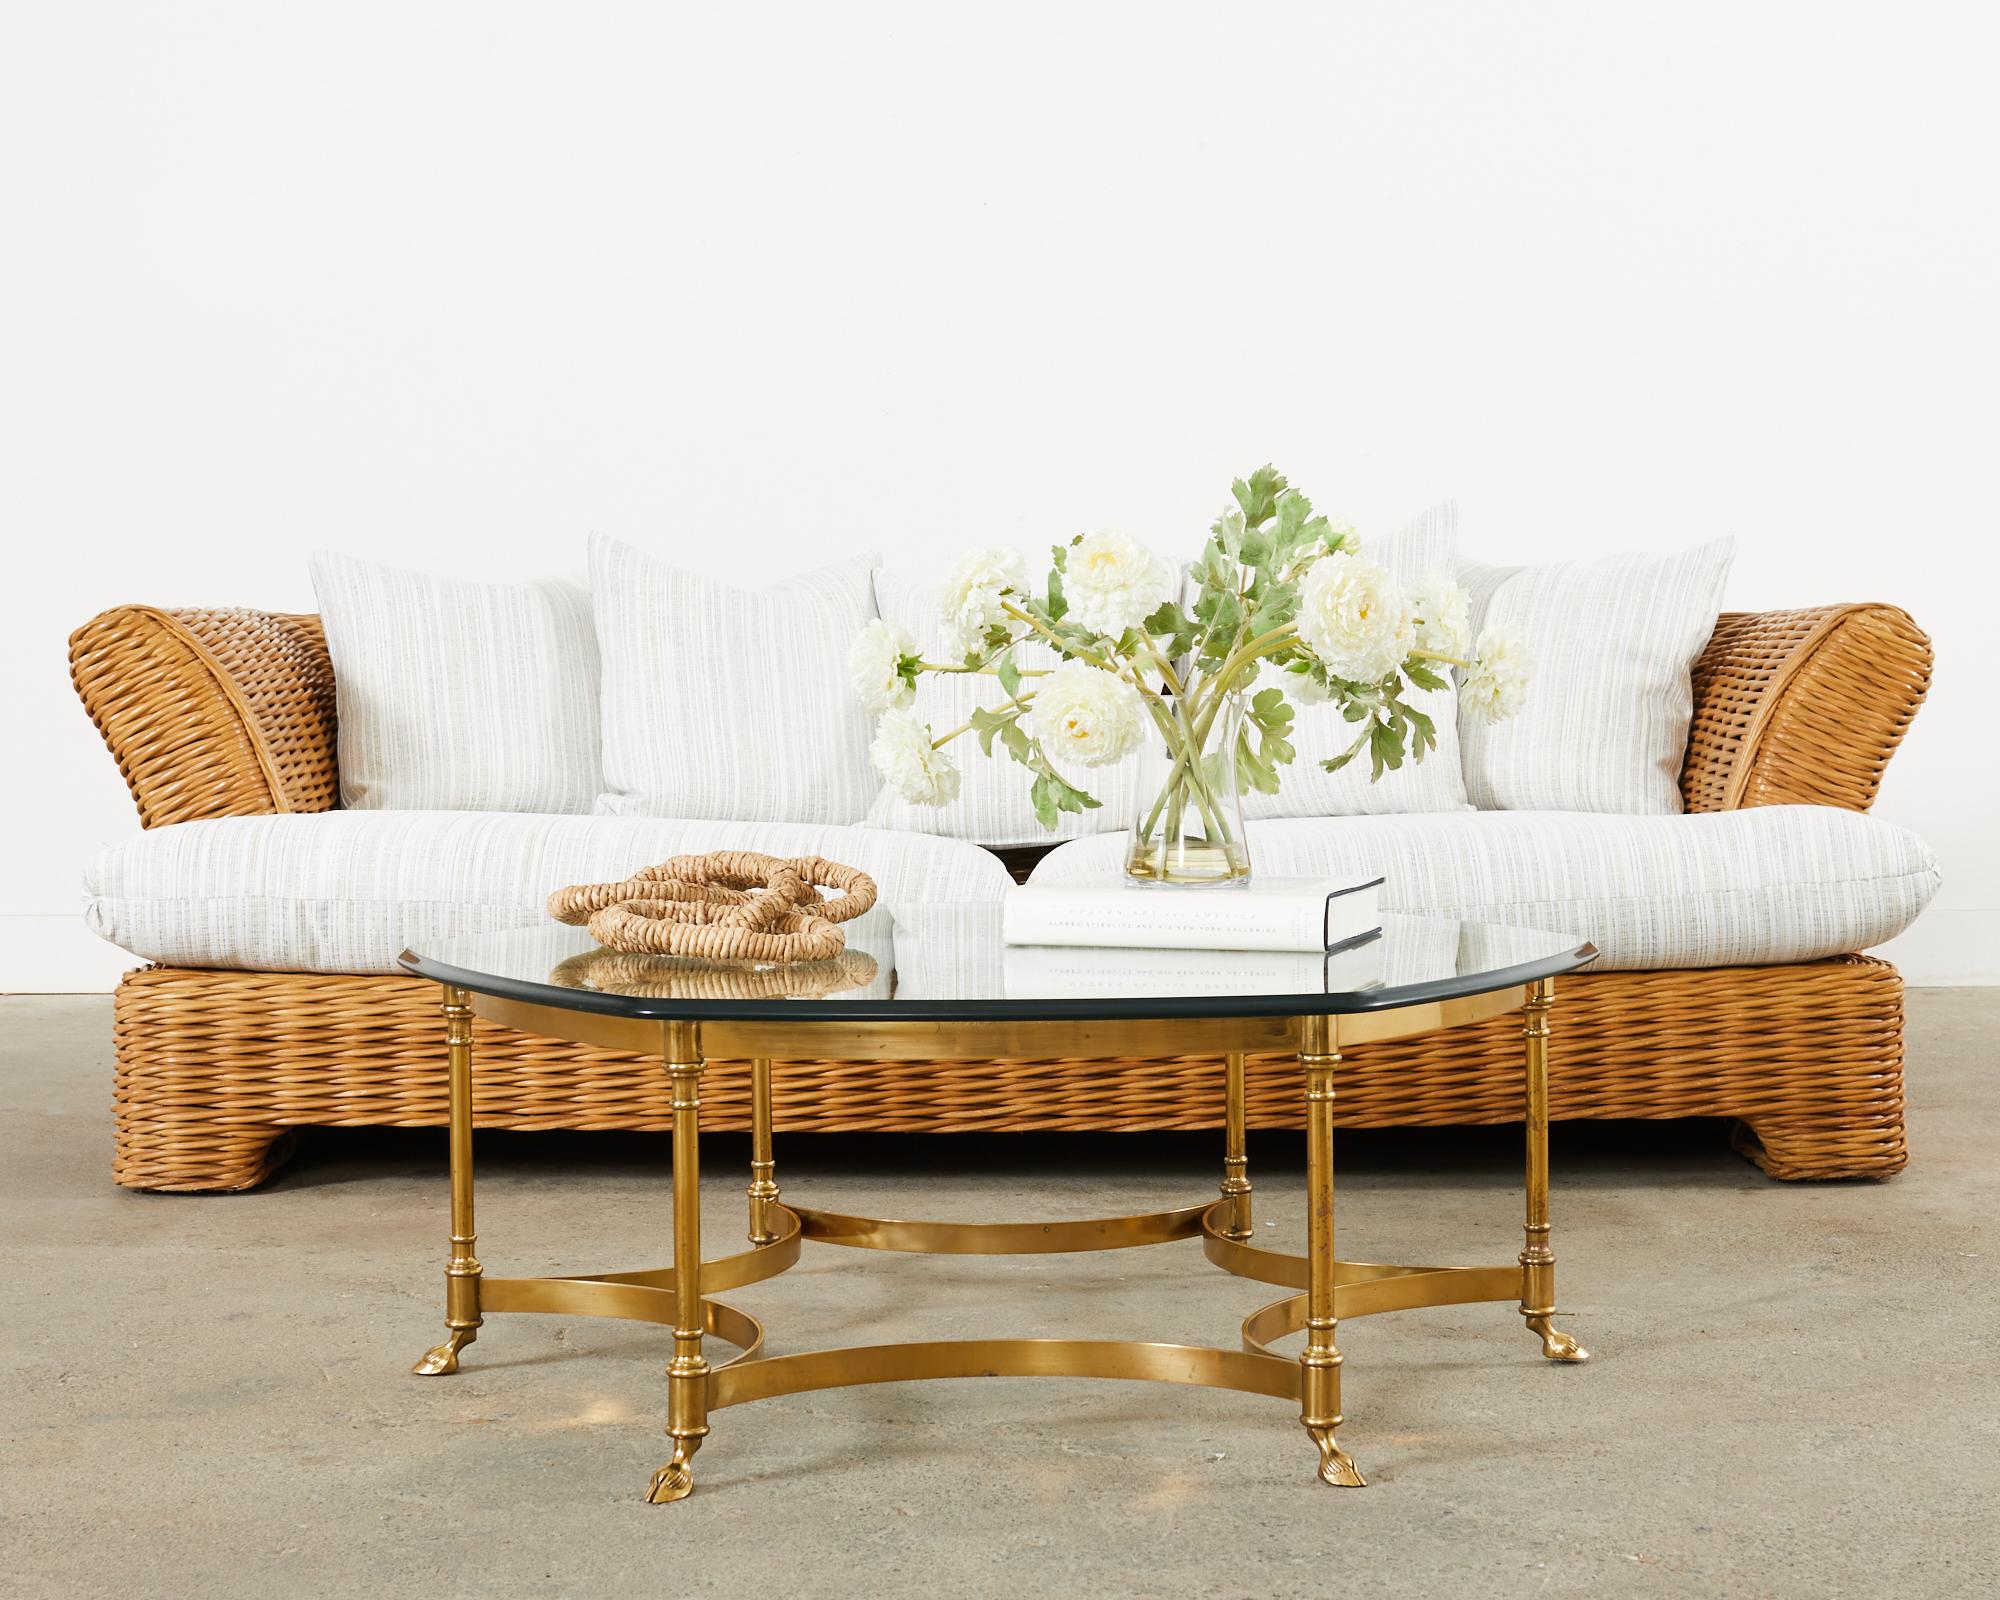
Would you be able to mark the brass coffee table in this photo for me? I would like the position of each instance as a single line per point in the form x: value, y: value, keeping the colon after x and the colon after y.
x: 937, y: 984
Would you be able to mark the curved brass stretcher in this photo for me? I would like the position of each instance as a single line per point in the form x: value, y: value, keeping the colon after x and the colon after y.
x: 1325, y: 1289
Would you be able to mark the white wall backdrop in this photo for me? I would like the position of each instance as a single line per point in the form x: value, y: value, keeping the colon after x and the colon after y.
x: 457, y: 284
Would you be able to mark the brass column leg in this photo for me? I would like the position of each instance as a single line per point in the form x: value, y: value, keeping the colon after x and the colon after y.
x: 1320, y: 1379
x: 763, y: 1187
x: 1538, y: 1261
x: 1235, y: 1164
x: 687, y: 1377
x: 461, y: 1273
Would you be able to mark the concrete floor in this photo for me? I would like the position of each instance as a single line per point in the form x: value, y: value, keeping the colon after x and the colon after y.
x: 1793, y: 1392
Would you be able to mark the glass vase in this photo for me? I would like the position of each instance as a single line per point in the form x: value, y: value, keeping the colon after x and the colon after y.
x: 1188, y: 829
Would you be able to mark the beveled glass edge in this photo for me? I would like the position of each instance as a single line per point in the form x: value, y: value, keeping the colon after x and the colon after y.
x: 645, y: 1008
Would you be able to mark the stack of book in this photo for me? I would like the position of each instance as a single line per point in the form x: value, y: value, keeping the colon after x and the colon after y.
x: 1275, y: 935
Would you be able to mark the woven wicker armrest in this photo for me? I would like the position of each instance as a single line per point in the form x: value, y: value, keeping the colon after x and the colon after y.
x: 1802, y: 707
x: 211, y: 713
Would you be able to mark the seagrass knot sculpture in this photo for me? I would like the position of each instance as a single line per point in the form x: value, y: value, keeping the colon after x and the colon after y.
x: 727, y: 905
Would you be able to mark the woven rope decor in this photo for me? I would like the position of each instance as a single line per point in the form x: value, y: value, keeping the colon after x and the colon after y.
x: 727, y: 905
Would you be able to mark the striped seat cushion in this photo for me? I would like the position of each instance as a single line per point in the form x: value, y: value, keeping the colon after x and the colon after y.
x: 346, y: 891
x: 1774, y: 883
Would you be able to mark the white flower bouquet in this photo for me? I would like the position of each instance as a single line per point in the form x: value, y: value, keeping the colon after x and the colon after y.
x: 1145, y: 655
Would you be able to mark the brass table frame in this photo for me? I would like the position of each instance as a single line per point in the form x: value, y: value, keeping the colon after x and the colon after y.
x: 1326, y: 1289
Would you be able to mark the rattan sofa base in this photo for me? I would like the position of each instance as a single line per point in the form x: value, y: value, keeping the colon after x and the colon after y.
x: 214, y: 1068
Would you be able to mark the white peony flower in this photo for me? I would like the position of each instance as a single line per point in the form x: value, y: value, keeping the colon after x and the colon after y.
x: 873, y: 663
x: 903, y: 754
x: 1303, y: 687
x: 1113, y: 583
x: 970, y: 603
x: 1086, y: 715
x: 1497, y: 685
x: 1442, y: 612
x: 1353, y: 618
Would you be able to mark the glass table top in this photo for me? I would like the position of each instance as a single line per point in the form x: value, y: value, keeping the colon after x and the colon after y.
x: 945, y: 962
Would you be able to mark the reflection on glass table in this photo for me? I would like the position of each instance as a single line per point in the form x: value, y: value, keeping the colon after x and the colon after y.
x: 949, y: 961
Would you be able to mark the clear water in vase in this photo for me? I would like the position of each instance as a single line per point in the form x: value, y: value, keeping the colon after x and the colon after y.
x: 1188, y: 829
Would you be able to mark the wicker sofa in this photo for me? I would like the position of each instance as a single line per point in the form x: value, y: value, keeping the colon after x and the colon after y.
x: 221, y: 713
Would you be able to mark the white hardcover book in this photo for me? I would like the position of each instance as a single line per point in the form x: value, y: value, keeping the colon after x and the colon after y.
x: 1265, y: 914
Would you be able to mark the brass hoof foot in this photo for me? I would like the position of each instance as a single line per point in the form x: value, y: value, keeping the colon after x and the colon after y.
x: 443, y: 1358
x: 1557, y: 1345
x: 1336, y: 1466
x: 674, y: 1481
